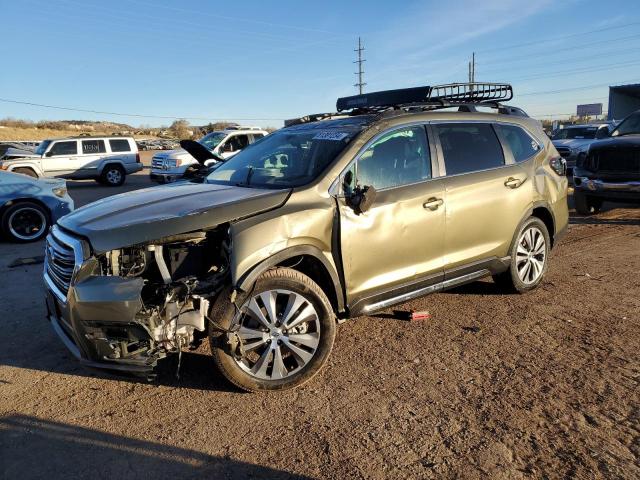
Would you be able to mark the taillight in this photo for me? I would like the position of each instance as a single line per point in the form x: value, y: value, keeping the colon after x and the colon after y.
x: 138, y: 157
x: 559, y: 165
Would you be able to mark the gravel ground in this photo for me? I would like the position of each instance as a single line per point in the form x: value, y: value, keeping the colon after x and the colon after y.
x: 543, y: 385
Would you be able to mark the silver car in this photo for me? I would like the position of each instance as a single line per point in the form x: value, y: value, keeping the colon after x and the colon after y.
x: 573, y: 139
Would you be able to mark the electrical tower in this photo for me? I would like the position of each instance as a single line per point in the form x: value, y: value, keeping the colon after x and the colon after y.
x: 360, y: 72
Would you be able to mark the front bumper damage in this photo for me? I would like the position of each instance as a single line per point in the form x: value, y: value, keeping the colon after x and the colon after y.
x: 123, y: 310
x: 98, y: 324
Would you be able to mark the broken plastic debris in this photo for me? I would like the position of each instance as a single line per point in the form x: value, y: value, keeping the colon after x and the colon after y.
x: 411, y: 315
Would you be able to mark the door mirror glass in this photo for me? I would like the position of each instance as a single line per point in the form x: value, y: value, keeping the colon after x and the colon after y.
x: 361, y: 199
x: 602, y: 133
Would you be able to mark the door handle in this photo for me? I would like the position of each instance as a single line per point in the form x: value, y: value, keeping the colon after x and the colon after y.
x: 433, y: 203
x: 513, y: 182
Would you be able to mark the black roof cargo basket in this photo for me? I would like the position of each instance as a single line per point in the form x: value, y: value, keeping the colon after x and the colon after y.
x: 437, y: 95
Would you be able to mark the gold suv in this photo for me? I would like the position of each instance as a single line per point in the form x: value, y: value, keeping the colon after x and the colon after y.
x: 397, y: 195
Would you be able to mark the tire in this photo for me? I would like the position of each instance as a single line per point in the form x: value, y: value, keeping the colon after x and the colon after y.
x: 25, y: 222
x: 286, y: 362
x: 586, y: 205
x: 518, y: 278
x: 113, y: 175
x: 26, y: 171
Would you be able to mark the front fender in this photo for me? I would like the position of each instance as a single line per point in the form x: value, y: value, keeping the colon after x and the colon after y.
x: 33, y: 165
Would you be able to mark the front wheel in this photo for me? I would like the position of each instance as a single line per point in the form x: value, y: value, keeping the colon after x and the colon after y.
x: 113, y: 175
x: 529, y: 258
x: 25, y: 222
x: 280, y: 336
x: 586, y: 205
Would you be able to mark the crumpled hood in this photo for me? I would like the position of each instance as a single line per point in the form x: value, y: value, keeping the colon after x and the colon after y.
x: 20, y: 153
x: 144, y: 215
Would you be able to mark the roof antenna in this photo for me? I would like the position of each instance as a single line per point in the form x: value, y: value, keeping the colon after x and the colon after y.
x: 360, y: 72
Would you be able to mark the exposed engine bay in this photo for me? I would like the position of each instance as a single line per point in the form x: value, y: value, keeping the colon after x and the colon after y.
x: 177, y: 278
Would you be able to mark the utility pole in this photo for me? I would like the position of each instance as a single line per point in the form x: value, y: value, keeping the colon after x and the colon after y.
x: 360, y: 72
x: 472, y: 68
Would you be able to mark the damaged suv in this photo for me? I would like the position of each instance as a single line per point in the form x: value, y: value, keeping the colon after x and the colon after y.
x: 397, y: 195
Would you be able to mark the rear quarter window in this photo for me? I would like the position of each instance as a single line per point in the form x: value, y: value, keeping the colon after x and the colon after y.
x: 522, y: 145
x: 119, y: 145
x: 93, y: 146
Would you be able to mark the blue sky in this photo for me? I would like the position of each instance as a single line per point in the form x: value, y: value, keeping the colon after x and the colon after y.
x: 261, y: 62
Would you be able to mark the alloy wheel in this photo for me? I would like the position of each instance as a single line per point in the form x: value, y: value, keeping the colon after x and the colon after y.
x: 27, y: 223
x: 114, y: 176
x: 531, y: 255
x: 280, y: 333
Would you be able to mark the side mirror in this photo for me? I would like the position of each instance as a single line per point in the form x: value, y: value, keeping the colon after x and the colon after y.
x: 49, y: 154
x: 602, y: 133
x: 362, y: 199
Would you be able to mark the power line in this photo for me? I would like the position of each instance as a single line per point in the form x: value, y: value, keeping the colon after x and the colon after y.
x: 585, y: 87
x: 360, y: 73
x: 560, y: 37
x: 137, y: 115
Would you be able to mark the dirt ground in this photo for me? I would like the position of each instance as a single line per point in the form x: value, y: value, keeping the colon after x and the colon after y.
x: 543, y: 385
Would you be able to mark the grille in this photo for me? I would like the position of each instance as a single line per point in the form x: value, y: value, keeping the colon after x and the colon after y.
x: 615, y: 161
x: 564, y: 152
x: 60, y: 261
x: 156, y: 162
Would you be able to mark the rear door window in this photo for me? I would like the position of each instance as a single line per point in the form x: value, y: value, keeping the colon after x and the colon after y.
x: 64, y: 148
x: 469, y: 147
x: 522, y: 145
x: 119, y: 145
x: 90, y: 147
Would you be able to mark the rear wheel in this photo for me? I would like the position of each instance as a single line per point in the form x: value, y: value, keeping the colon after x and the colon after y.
x: 586, y: 205
x: 283, y: 332
x: 25, y: 222
x: 26, y: 171
x: 113, y: 175
x: 529, y: 258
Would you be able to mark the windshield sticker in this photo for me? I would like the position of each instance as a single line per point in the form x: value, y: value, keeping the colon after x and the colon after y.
x: 329, y: 135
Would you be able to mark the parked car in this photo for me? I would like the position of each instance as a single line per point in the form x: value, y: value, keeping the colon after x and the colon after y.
x: 609, y: 170
x: 573, y: 139
x: 172, y: 165
x: 108, y: 160
x: 336, y: 215
x: 28, y: 207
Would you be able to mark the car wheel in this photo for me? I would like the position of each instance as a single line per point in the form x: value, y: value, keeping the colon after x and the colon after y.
x: 275, y: 337
x: 586, y: 205
x: 26, y: 171
x: 25, y: 222
x: 113, y: 175
x: 529, y: 258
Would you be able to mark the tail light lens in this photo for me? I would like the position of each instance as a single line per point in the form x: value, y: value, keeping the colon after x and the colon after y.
x: 138, y: 157
x: 559, y: 165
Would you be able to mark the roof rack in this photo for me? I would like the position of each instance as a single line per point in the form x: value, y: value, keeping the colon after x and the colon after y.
x: 437, y: 95
x: 465, y: 96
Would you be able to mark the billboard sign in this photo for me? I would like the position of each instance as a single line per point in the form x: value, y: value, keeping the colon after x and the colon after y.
x: 589, y: 109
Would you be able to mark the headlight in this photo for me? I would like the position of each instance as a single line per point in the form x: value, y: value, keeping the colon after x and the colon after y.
x: 3, y: 166
x: 172, y: 163
x: 59, y: 191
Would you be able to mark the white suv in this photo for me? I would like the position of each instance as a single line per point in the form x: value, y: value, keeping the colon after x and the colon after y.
x: 172, y: 165
x: 105, y: 159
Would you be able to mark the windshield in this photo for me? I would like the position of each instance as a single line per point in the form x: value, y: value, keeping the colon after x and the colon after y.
x: 42, y: 147
x: 580, y: 132
x: 212, y: 140
x: 628, y: 126
x: 284, y: 159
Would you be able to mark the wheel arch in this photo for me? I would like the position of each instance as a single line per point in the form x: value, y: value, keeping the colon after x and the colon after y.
x: 306, y: 259
x: 10, y: 203
x: 110, y: 161
x: 544, y: 213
